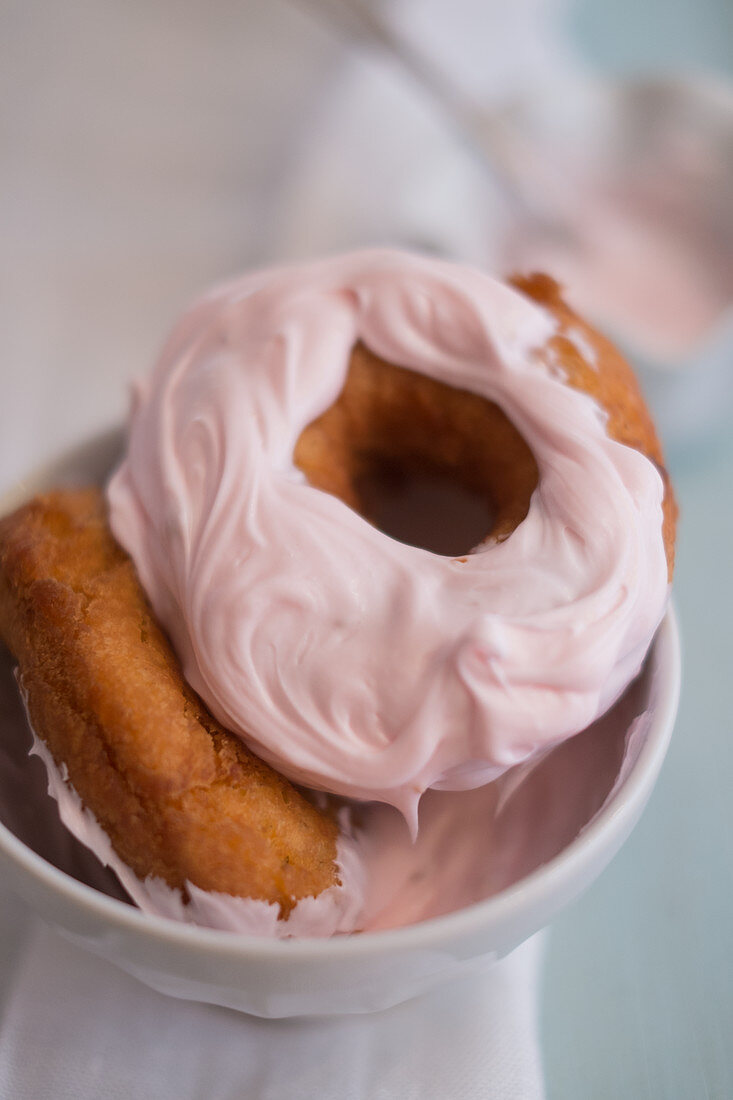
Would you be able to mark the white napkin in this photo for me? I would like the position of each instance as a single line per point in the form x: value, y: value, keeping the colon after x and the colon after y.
x: 378, y: 163
x: 76, y: 1028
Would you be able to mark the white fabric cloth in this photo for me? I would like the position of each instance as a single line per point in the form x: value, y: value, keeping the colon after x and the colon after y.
x: 379, y: 163
x: 76, y: 1028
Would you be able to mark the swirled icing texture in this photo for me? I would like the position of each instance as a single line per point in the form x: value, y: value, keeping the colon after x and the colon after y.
x: 352, y: 662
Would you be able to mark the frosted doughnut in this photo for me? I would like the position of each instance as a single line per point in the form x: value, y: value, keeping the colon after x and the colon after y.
x: 350, y: 661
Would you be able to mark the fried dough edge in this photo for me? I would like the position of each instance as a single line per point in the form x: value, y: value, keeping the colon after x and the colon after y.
x: 180, y: 797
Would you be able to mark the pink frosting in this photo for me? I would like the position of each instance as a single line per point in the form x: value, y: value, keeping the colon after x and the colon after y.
x: 471, y: 844
x: 350, y: 661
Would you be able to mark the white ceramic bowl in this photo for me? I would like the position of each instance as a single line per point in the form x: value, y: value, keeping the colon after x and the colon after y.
x: 351, y: 974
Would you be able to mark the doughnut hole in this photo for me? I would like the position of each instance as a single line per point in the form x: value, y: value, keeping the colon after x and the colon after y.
x: 427, y: 464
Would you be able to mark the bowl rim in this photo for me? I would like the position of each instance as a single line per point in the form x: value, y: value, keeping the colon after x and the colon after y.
x: 529, y: 893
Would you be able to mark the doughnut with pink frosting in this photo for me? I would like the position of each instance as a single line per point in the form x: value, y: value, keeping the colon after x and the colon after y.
x: 350, y: 661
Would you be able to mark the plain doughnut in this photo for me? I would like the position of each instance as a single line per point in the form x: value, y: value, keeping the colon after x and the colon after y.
x: 180, y: 798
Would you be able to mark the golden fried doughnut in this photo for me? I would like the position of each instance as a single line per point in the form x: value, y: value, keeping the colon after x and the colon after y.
x: 179, y: 797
